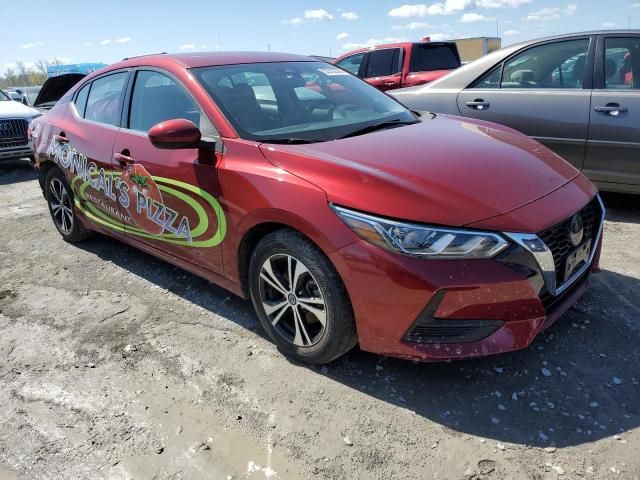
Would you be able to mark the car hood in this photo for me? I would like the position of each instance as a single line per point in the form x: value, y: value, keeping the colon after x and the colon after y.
x: 444, y: 170
x: 16, y: 110
x: 55, y: 88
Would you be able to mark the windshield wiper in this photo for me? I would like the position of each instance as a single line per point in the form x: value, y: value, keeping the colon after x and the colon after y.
x: 379, y: 126
x: 290, y: 141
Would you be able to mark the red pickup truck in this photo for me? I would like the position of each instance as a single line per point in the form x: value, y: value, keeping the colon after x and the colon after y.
x: 398, y: 65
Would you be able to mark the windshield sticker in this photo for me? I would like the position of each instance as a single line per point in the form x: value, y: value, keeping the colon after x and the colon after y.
x: 332, y: 72
x: 133, y: 201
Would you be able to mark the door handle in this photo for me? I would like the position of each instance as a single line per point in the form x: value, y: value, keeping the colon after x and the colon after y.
x: 61, y: 138
x: 478, y: 104
x: 613, y: 109
x: 123, y: 159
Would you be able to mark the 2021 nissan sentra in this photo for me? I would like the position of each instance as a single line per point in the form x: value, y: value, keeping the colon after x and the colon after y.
x: 343, y: 216
x: 578, y: 94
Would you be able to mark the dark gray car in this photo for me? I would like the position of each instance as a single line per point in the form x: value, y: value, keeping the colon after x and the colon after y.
x: 578, y: 94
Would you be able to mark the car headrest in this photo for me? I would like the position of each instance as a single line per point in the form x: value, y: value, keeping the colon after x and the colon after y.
x: 523, y: 76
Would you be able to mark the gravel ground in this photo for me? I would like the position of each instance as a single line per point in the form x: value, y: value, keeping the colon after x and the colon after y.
x: 115, y: 365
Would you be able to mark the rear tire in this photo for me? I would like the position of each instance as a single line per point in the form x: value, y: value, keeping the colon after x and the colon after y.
x: 62, y: 208
x: 300, y: 298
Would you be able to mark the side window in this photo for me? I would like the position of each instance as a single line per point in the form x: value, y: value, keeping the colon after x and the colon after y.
x: 81, y: 99
x: 351, y: 64
x: 622, y: 63
x: 157, y: 98
x: 105, y: 99
x: 383, y: 63
x: 554, y: 65
x: 490, y: 80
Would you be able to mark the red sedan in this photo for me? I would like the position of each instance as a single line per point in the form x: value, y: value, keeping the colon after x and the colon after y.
x: 346, y: 218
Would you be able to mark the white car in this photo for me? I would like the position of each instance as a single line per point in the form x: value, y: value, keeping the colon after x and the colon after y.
x: 14, y: 123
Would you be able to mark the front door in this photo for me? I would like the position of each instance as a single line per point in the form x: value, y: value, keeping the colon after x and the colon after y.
x: 543, y: 91
x: 613, y: 153
x: 172, y: 194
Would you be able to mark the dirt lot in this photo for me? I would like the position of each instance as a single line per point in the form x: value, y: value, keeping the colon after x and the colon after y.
x: 116, y: 365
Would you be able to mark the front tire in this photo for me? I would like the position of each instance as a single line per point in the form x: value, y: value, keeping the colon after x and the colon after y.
x: 61, y: 207
x: 300, y: 299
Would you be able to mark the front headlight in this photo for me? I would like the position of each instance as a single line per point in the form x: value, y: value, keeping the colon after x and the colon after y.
x: 420, y: 240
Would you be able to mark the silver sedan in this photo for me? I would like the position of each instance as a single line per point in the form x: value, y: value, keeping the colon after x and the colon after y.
x: 578, y: 94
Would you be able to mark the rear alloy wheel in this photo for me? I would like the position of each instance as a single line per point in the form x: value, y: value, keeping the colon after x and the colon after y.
x: 60, y: 200
x: 300, y: 299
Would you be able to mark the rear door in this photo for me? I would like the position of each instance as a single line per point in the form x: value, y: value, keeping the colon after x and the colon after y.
x: 543, y: 91
x: 613, y: 153
x: 83, y: 146
x: 171, y: 193
x: 383, y: 68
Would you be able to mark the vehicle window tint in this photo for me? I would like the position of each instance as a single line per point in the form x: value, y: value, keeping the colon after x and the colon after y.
x: 622, y: 63
x: 425, y: 58
x: 490, y: 80
x: 383, y: 63
x: 81, y: 99
x: 351, y: 64
x: 554, y: 65
x: 105, y: 99
x: 157, y: 98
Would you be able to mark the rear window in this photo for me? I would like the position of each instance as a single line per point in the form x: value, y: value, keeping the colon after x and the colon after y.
x: 427, y: 57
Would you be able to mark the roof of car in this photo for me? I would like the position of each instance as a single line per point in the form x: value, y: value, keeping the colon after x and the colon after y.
x: 206, y: 59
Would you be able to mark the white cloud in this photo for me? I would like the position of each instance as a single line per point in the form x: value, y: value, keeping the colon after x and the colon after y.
x: 32, y: 44
x: 450, y: 7
x: 551, y: 13
x: 319, y: 14
x: 511, y: 33
x: 350, y: 15
x: 123, y: 40
x: 310, y: 15
x: 105, y: 42
x: 342, y: 36
x: 372, y: 42
x: 439, y: 37
x: 501, y: 3
x: 447, y: 7
x: 188, y: 46
x: 295, y: 21
x: 473, y: 18
x: 635, y: 5
x: 608, y: 25
x: 410, y: 26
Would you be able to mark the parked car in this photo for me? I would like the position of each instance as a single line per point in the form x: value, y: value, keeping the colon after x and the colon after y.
x: 15, y: 118
x: 17, y: 96
x: 401, y: 64
x: 344, y: 216
x: 54, y: 88
x: 577, y: 94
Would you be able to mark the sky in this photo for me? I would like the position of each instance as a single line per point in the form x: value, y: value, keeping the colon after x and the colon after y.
x: 106, y: 31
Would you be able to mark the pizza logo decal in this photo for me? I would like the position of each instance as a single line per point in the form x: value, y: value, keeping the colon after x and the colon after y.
x: 135, y: 202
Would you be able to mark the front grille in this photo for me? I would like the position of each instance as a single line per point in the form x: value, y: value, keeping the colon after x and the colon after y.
x: 557, y: 239
x: 13, y: 132
x: 552, y: 303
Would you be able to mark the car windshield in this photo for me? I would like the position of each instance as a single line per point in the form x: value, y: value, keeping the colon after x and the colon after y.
x: 298, y: 102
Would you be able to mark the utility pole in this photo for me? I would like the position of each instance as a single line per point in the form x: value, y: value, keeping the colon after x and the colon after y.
x: 268, y: 47
x: 629, y: 23
x: 497, y: 27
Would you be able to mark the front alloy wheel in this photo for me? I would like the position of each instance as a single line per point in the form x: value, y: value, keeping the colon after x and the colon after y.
x: 292, y: 300
x: 300, y: 298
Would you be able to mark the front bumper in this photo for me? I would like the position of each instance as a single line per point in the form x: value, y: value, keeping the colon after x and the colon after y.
x: 16, y: 152
x: 452, y: 309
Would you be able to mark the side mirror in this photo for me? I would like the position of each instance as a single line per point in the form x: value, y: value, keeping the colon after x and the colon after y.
x: 175, y: 134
